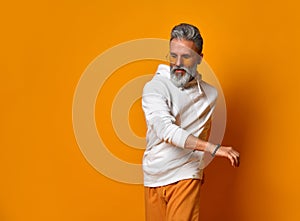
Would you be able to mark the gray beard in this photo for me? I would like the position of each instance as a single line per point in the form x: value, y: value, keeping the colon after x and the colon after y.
x: 179, y: 80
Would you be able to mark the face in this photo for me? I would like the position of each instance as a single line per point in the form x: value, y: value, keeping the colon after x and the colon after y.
x: 183, y: 61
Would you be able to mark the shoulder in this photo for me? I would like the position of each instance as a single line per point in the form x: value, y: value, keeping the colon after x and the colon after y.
x: 208, y: 88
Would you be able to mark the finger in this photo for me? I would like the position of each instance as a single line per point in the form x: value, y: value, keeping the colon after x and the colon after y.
x: 236, y: 153
x: 234, y: 159
x: 237, y: 160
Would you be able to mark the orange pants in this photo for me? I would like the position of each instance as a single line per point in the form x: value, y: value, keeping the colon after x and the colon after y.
x: 179, y: 201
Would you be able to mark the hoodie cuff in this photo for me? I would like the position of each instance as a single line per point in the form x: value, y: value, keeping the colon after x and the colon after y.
x: 180, y: 138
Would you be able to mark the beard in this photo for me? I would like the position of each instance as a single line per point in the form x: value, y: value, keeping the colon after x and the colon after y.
x: 180, y: 76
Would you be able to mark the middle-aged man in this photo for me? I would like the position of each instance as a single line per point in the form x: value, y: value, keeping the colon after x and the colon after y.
x: 178, y: 107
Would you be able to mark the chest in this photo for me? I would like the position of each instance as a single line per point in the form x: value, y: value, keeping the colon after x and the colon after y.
x: 192, y: 103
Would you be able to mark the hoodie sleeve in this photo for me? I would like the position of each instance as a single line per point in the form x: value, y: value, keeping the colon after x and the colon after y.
x: 159, y: 117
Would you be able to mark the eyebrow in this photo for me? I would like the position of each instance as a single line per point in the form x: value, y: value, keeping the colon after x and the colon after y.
x: 183, y: 55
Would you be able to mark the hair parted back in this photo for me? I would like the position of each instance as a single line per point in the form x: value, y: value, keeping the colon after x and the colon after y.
x: 188, y: 32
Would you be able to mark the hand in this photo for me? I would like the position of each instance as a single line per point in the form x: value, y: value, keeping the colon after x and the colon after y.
x: 230, y: 154
x: 227, y: 152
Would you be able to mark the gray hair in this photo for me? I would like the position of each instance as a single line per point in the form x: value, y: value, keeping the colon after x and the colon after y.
x: 188, y: 32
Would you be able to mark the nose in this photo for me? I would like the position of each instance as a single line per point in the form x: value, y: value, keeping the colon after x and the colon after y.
x: 178, y: 61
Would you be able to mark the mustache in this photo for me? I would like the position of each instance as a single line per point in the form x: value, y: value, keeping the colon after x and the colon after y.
x: 175, y: 68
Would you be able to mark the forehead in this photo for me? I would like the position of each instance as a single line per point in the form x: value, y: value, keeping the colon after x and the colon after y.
x: 182, y: 46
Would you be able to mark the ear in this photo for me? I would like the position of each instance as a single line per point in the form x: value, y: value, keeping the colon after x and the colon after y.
x: 200, y: 58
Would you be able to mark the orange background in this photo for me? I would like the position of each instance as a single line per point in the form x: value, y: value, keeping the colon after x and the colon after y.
x: 253, y: 47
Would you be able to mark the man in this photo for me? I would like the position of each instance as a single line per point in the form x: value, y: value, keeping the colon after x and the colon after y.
x: 178, y: 107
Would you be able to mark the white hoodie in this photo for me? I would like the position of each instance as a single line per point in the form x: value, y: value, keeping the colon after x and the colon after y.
x: 172, y: 114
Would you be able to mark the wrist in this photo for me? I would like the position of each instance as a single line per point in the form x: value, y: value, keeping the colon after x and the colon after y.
x: 215, y: 150
x: 212, y: 148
